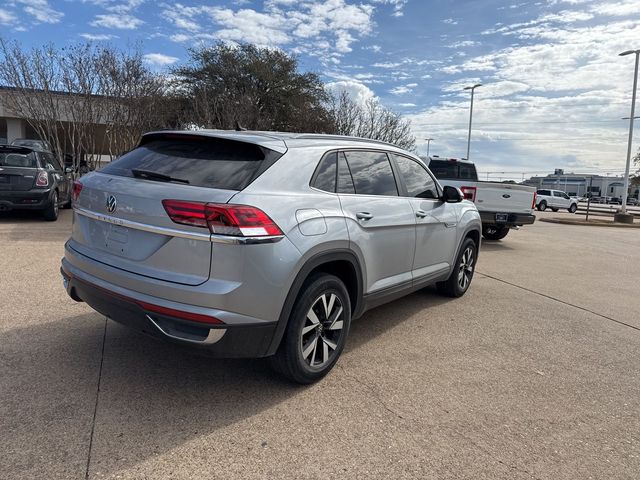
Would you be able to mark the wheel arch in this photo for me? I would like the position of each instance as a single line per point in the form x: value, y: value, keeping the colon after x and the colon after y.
x: 342, y: 263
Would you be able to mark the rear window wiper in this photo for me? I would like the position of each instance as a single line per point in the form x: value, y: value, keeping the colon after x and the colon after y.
x: 150, y: 175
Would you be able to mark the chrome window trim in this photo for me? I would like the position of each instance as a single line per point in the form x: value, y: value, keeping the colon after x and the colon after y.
x: 172, y: 232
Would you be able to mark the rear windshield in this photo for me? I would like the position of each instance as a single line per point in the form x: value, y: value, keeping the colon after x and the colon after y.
x: 200, y: 161
x: 452, y: 170
x: 15, y: 159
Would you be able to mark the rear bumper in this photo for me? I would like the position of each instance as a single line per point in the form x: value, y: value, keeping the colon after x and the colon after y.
x: 133, y: 310
x: 24, y: 200
x: 513, y: 219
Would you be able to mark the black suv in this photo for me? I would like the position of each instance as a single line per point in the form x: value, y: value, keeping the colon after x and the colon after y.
x: 33, y: 180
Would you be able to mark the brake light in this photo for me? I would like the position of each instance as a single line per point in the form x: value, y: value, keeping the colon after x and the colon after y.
x: 535, y: 196
x: 42, y: 180
x: 469, y: 193
x: 222, y: 218
x: 77, y: 188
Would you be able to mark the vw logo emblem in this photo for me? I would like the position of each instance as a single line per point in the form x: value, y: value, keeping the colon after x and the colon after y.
x: 112, y: 204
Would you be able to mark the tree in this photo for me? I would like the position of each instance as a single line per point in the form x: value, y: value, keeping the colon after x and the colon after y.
x: 258, y: 88
x: 370, y: 120
x: 83, y: 99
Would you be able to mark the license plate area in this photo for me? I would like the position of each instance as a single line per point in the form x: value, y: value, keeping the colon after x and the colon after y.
x: 502, y: 217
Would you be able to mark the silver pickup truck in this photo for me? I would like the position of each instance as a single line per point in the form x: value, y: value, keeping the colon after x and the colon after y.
x: 502, y: 206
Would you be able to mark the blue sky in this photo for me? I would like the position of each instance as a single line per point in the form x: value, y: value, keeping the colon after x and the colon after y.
x: 554, y: 88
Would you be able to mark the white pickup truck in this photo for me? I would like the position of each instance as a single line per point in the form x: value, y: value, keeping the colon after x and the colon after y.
x: 502, y: 206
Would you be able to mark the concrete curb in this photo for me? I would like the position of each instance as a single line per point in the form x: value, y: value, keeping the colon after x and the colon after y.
x: 582, y: 223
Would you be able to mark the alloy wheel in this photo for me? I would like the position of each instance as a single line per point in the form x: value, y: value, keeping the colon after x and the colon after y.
x: 322, y: 330
x: 465, y: 269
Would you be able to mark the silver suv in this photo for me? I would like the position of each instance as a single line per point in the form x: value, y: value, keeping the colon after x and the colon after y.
x: 255, y: 244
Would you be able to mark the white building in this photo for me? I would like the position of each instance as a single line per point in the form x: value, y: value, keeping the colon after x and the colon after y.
x: 579, y: 185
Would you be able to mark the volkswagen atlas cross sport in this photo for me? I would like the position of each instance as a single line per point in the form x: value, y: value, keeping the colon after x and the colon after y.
x: 256, y: 244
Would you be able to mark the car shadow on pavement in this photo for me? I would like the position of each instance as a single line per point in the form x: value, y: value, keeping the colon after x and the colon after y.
x: 494, y: 246
x: 154, y: 396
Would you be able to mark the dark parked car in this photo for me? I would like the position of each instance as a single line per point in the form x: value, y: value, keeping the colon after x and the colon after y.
x: 33, y: 180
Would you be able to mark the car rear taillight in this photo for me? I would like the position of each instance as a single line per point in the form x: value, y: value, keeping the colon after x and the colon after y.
x: 42, y: 180
x: 535, y: 196
x: 77, y: 188
x: 222, y: 218
x: 469, y: 193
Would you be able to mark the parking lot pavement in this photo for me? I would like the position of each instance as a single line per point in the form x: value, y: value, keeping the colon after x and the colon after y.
x: 516, y: 380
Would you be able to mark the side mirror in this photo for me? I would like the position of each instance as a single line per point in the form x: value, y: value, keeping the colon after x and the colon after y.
x: 452, y: 194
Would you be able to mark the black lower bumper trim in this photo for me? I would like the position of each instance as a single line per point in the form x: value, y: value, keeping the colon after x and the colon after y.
x: 238, y: 341
x: 512, y: 219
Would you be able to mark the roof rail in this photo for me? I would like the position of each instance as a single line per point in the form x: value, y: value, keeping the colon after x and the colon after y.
x: 311, y: 136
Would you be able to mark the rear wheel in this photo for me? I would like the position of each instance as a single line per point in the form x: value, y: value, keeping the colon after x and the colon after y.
x: 51, y: 212
x: 458, y: 282
x: 317, y: 330
x: 573, y: 208
x: 493, y: 232
x: 542, y: 206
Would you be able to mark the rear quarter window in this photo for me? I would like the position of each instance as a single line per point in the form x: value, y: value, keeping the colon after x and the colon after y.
x: 201, y: 161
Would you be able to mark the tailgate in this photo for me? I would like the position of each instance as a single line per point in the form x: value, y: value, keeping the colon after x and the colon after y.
x: 504, y: 197
x: 17, y: 179
x: 137, y: 235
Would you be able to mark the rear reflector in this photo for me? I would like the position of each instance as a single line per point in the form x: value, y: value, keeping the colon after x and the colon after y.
x: 77, y: 188
x: 469, y: 193
x: 180, y: 314
x: 222, y: 218
x: 535, y: 196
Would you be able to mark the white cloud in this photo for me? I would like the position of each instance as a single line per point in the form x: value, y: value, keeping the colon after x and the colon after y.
x: 556, y: 97
x: 113, y: 20
x: 97, y: 36
x: 41, y: 11
x: 450, y: 21
x: 357, y: 91
x: 160, y: 59
x: 7, y: 18
x: 314, y: 28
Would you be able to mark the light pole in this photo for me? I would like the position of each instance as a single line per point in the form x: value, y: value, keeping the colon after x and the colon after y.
x: 429, y: 140
x: 623, y: 210
x: 471, y: 116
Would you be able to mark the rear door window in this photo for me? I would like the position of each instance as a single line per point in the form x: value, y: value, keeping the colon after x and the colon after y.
x: 371, y: 173
x: 416, y: 179
x: 199, y: 161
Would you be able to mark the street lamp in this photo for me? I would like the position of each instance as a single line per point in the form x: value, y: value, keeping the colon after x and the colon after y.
x: 471, y: 116
x: 623, y: 210
x: 428, y: 140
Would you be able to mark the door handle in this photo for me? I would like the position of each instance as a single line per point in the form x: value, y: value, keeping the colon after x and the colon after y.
x: 364, y: 216
x: 421, y: 213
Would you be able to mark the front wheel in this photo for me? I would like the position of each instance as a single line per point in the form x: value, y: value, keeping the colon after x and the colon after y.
x: 458, y: 282
x: 317, y: 330
x: 493, y: 232
x: 573, y: 208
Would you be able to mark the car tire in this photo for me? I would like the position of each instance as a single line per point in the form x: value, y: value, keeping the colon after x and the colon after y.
x: 573, y: 208
x: 458, y: 282
x: 492, y: 232
x: 554, y: 209
x: 50, y: 213
x: 316, y: 331
x: 542, y: 206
